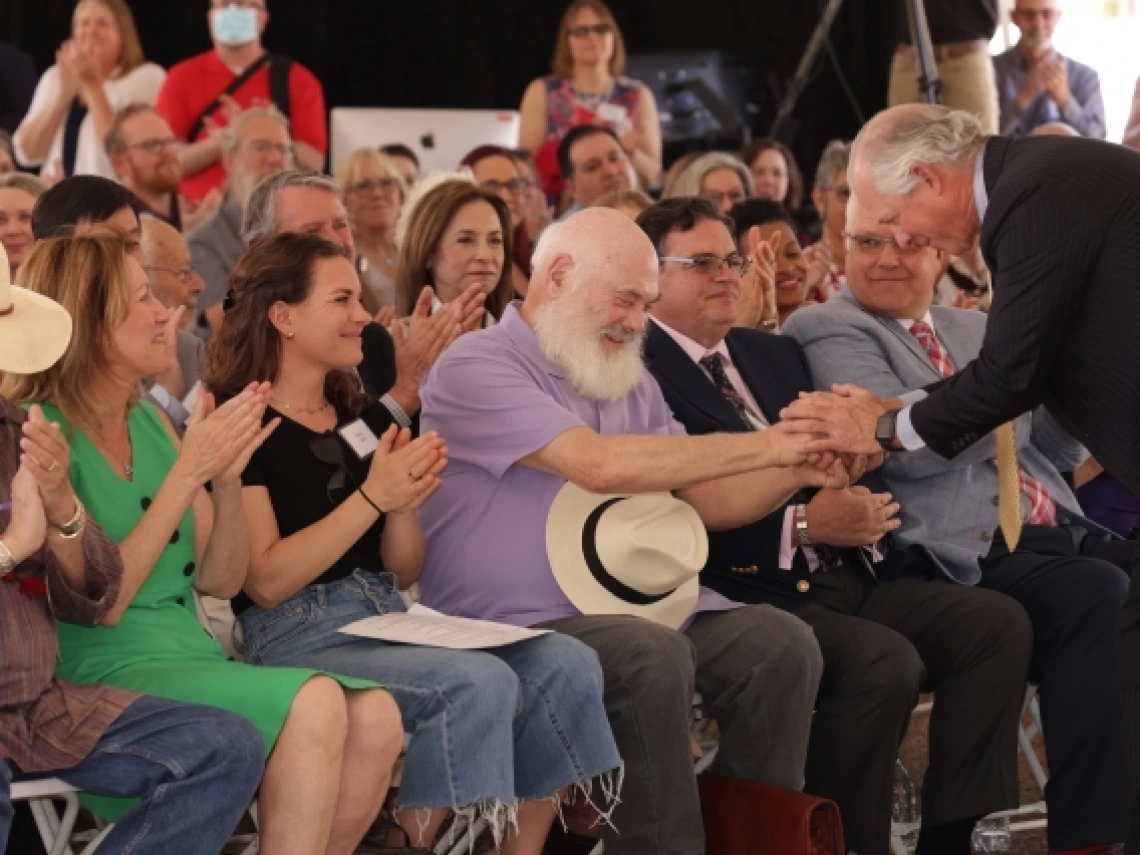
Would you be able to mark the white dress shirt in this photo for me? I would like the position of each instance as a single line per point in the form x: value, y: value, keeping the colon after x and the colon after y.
x: 139, y: 86
x: 757, y: 421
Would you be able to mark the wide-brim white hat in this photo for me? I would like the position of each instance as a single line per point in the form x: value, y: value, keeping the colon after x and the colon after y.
x: 34, y: 329
x: 631, y: 555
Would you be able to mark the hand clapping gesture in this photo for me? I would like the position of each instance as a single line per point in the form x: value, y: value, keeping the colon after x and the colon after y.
x: 219, y: 441
x: 28, y: 526
x: 758, y: 285
x: 404, y: 472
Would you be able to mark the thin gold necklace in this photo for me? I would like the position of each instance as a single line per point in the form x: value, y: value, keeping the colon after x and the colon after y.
x: 305, y: 411
x: 126, y: 466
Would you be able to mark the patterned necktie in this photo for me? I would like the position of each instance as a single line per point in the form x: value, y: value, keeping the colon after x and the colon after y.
x: 1013, y: 481
x: 713, y: 363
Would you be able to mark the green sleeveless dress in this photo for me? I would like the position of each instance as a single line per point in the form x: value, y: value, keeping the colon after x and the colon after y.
x: 159, y: 648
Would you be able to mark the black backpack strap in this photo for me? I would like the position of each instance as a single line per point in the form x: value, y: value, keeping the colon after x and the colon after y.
x: 279, y: 83
x: 234, y: 86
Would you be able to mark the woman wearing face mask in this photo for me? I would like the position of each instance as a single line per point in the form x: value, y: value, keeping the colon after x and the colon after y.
x: 451, y: 237
x: 195, y: 101
x: 99, y: 70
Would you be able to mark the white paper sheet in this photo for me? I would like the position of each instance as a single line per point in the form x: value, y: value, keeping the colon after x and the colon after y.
x: 421, y: 625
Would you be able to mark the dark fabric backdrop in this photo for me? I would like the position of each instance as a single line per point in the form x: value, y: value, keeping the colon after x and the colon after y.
x: 482, y: 53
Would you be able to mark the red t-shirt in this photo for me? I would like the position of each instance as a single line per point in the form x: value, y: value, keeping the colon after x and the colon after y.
x: 192, y: 84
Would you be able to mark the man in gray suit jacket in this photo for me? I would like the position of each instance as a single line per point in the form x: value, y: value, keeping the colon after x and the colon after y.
x: 884, y: 335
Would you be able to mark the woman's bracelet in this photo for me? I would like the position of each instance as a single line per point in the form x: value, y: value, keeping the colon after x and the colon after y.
x: 375, y: 506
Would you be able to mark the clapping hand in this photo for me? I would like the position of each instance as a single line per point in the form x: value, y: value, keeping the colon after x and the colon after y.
x: 220, y: 440
x: 758, y: 285
x: 430, y: 334
x: 46, y: 457
x: 404, y: 471
x: 1056, y: 80
x: 28, y: 525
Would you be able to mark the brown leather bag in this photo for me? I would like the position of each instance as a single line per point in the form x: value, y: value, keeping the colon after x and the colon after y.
x: 747, y: 818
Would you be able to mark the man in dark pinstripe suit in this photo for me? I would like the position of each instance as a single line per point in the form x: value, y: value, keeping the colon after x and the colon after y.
x: 1058, y: 221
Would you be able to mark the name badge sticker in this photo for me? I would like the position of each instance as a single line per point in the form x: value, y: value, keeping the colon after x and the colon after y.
x: 360, y: 438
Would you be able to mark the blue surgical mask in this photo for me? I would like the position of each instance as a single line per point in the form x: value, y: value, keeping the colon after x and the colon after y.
x: 235, y: 25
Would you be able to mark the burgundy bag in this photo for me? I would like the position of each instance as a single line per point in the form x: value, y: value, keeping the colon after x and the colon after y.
x: 748, y: 818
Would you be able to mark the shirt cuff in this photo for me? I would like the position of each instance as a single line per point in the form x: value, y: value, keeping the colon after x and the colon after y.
x: 909, y: 398
x: 904, y: 430
x: 173, y: 407
x: 789, y: 543
x: 396, y: 410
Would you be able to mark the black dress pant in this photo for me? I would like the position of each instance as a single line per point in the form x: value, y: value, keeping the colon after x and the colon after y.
x: 884, y: 643
x: 1073, y: 587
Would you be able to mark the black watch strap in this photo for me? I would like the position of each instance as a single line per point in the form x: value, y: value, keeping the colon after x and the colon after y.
x: 885, y: 429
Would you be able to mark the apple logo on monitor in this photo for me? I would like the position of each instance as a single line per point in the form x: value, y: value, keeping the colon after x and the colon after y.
x: 428, y: 140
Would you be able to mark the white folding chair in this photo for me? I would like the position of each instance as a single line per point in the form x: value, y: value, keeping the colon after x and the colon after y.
x: 55, y: 830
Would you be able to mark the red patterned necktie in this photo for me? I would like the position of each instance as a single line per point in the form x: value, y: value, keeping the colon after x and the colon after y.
x: 1042, y: 508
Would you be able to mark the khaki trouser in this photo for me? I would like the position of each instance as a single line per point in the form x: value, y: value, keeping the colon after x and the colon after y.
x: 967, y: 84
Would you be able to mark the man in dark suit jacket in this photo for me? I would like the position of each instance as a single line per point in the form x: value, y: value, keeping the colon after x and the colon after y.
x: 887, y: 629
x: 1059, y: 227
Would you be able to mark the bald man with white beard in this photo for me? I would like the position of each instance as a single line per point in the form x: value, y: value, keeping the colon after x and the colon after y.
x: 557, y: 393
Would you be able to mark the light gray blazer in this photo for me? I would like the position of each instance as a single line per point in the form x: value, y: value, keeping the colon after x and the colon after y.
x: 949, y: 506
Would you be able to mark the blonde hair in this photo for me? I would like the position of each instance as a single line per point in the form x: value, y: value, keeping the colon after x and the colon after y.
x: 692, y: 178
x: 89, y: 277
x: 349, y: 170
x: 130, y: 51
x: 563, y: 63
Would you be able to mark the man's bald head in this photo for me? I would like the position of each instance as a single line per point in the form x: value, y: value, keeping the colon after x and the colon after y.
x: 598, y: 246
x: 595, y: 276
x: 166, y: 259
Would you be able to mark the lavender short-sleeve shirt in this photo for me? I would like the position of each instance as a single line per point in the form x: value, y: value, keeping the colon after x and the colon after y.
x: 495, y: 398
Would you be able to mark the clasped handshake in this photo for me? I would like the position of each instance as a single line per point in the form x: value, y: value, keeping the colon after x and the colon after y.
x: 834, y: 433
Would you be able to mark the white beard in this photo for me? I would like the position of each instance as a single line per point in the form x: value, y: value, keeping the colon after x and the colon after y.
x: 570, y: 338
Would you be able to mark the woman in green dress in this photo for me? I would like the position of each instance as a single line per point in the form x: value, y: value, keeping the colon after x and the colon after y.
x: 331, y: 741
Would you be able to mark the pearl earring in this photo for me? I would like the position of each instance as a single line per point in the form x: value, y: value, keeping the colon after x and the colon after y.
x: 290, y: 336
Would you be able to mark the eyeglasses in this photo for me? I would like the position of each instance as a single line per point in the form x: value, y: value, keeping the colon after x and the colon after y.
x: 384, y: 185
x: 735, y: 197
x: 1045, y: 14
x: 596, y: 29
x: 327, y: 449
x: 157, y: 146
x: 182, y: 274
x: 873, y: 245
x: 266, y: 147
x: 709, y: 263
x: 515, y: 185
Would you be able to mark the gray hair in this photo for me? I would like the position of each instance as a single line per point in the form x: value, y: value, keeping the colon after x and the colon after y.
x: 690, y: 180
x: 835, y: 159
x: 891, y: 144
x: 231, y: 139
x: 260, y: 221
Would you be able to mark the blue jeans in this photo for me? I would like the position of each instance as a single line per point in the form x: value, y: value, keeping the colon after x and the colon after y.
x: 486, y: 727
x: 195, y: 768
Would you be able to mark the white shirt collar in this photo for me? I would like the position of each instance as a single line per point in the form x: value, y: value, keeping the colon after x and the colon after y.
x: 981, y: 200
x: 694, y: 350
x: 907, y: 323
